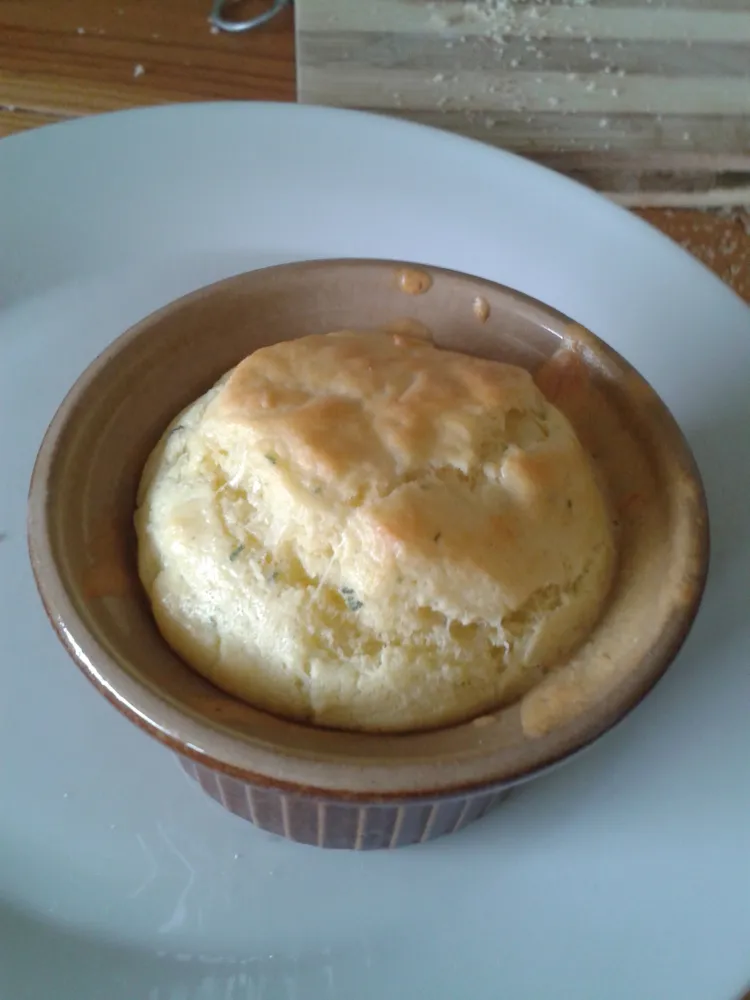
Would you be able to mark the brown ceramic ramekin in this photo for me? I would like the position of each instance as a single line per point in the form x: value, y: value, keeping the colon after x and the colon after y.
x: 339, y: 789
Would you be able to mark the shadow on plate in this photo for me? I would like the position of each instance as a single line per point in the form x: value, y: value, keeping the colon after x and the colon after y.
x: 722, y: 450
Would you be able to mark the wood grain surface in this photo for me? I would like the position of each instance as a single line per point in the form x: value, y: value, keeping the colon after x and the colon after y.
x: 61, y: 58
x: 64, y: 58
x: 648, y: 100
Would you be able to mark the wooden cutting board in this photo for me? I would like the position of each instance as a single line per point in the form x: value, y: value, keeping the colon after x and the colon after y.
x: 648, y: 100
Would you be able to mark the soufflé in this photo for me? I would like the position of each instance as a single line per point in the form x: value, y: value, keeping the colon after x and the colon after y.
x: 361, y: 531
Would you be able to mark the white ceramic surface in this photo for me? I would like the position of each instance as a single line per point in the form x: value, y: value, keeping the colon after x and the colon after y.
x: 625, y: 874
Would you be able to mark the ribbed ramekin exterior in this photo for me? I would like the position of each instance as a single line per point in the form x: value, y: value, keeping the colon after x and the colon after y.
x: 342, y: 825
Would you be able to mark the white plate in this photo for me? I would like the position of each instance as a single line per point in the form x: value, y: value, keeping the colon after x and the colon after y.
x: 624, y: 875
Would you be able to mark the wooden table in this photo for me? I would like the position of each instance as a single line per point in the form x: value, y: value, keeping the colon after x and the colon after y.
x: 64, y: 58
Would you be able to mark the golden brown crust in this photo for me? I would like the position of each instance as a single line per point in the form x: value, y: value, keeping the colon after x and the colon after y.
x: 371, y: 401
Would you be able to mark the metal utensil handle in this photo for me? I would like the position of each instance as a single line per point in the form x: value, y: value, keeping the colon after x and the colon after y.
x: 219, y: 21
